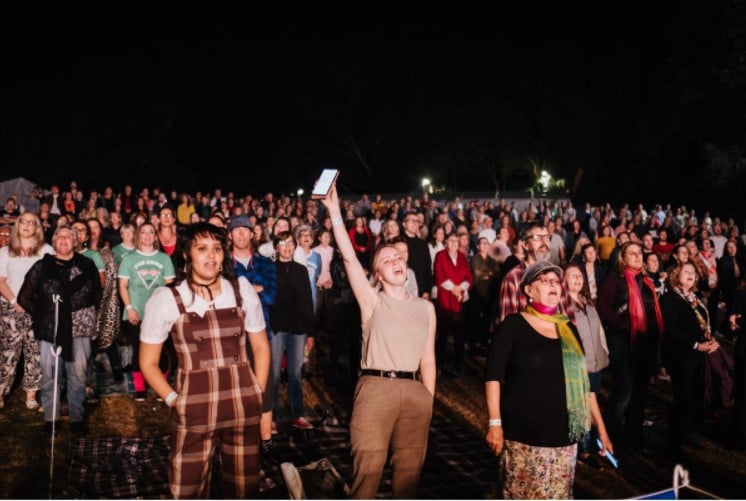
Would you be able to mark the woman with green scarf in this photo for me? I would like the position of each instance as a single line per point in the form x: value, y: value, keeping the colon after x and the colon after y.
x: 538, y: 396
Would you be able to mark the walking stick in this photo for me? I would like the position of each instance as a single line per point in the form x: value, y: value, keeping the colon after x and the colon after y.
x: 56, y: 350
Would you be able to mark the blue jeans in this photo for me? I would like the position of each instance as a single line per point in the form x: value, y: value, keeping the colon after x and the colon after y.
x: 76, y: 372
x: 295, y: 344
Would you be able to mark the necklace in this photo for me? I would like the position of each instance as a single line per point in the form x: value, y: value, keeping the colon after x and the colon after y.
x: 207, y: 287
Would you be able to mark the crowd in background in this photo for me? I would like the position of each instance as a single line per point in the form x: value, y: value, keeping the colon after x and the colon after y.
x: 467, y: 257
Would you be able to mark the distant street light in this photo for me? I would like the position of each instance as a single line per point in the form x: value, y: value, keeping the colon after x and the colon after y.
x: 299, y: 192
x: 427, y: 185
x: 545, y: 180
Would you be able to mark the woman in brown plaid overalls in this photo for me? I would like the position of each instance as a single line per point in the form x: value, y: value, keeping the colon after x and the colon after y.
x: 218, y: 399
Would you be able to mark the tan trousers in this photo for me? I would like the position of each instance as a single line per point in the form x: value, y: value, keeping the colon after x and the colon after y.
x: 395, y: 413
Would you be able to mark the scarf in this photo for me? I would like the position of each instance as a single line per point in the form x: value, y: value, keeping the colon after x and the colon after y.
x: 577, y: 386
x: 637, y: 319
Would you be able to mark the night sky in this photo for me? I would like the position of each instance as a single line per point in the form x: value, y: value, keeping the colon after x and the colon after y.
x: 647, y: 103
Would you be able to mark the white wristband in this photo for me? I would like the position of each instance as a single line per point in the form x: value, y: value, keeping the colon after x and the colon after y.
x: 13, y: 301
x: 337, y: 220
x: 128, y: 307
x: 495, y: 422
x: 171, y: 397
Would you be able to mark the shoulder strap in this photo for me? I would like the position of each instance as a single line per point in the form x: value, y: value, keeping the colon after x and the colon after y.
x: 179, y: 301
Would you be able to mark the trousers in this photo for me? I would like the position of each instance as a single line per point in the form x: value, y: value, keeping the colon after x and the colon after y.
x: 393, y: 413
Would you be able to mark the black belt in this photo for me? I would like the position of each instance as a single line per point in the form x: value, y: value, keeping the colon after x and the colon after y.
x: 389, y: 374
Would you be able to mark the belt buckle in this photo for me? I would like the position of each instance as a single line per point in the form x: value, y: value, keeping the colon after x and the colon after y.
x: 390, y: 374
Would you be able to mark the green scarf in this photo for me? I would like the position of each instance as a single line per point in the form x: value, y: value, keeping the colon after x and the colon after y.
x: 577, y: 386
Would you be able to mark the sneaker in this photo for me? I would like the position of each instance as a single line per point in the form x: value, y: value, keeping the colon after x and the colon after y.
x: 302, y: 424
x: 32, y: 404
x: 141, y: 396
x: 274, y: 428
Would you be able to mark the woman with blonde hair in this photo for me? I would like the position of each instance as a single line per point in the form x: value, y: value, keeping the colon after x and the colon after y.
x: 394, y: 395
x: 25, y: 248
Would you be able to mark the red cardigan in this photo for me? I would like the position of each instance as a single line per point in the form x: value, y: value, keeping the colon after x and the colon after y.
x: 368, y: 236
x: 458, y: 274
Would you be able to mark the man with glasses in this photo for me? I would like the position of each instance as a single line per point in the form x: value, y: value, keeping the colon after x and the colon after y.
x: 535, y: 240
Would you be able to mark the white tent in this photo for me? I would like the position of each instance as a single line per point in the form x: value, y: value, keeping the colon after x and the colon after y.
x: 19, y: 187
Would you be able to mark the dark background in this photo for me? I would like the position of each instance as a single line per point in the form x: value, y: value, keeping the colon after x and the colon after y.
x: 628, y: 103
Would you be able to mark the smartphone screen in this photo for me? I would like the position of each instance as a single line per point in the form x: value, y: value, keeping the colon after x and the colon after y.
x: 325, y: 182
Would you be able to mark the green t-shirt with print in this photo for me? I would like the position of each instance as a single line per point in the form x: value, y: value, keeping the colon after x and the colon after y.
x: 145, y: 273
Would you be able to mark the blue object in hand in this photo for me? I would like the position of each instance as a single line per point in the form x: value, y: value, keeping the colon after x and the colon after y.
x: 614, y: 462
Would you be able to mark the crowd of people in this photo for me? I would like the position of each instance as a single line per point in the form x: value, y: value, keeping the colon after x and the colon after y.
x: 404, y: 291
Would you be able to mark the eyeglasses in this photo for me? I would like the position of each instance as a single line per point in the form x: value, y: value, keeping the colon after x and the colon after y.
x: 27, y: 222
x: 5, y: 235
x: 166, y: 215
x: 548, y: 281
x: 539, y: 238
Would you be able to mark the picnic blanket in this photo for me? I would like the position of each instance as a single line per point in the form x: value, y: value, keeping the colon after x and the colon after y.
x: 119, y: 467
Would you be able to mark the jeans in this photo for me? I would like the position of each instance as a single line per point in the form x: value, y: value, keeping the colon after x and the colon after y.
x: 76, y: 372
x: 295, y: 344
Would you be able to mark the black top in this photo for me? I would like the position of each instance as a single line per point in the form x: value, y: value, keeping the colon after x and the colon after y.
x: 419, y: 261
x: 533, y: 403
x: 293, y: 308
x: 75, y: 281
x: 682, y: 330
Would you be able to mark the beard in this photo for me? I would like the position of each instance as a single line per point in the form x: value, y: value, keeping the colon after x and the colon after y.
x: 542, y: 255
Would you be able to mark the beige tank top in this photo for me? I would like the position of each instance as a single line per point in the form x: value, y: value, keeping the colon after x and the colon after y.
x: 394, y: 336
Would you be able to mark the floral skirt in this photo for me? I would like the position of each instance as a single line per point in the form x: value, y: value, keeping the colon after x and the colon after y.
x: 531, y: 472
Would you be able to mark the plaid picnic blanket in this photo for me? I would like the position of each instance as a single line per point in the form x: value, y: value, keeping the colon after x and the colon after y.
x: 119, y: 467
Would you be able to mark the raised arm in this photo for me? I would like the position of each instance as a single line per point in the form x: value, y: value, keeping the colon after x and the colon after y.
x: 364, y: 293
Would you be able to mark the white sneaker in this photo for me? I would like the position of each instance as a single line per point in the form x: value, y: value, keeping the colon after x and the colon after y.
x: 32, y: 404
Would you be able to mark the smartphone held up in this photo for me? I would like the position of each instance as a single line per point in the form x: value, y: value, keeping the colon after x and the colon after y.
x: 324, y: 183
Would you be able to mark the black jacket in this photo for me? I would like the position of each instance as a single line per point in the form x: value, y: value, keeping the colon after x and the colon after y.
x: 419, y: 261
x: 682, y: 330
x: 77, y: 285
x: 293, y: 308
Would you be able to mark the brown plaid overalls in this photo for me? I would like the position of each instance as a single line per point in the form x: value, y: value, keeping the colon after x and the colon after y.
x: 219, y: 405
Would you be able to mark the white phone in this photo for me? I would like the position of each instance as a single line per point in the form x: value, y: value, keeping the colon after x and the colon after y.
x: 324, y: 183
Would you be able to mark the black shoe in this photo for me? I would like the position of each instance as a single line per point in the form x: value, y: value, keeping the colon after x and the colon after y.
x: 141, y: 396
x: 118, y: 375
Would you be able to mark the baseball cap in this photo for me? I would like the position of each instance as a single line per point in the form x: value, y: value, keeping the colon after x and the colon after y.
x: 241, y: 221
